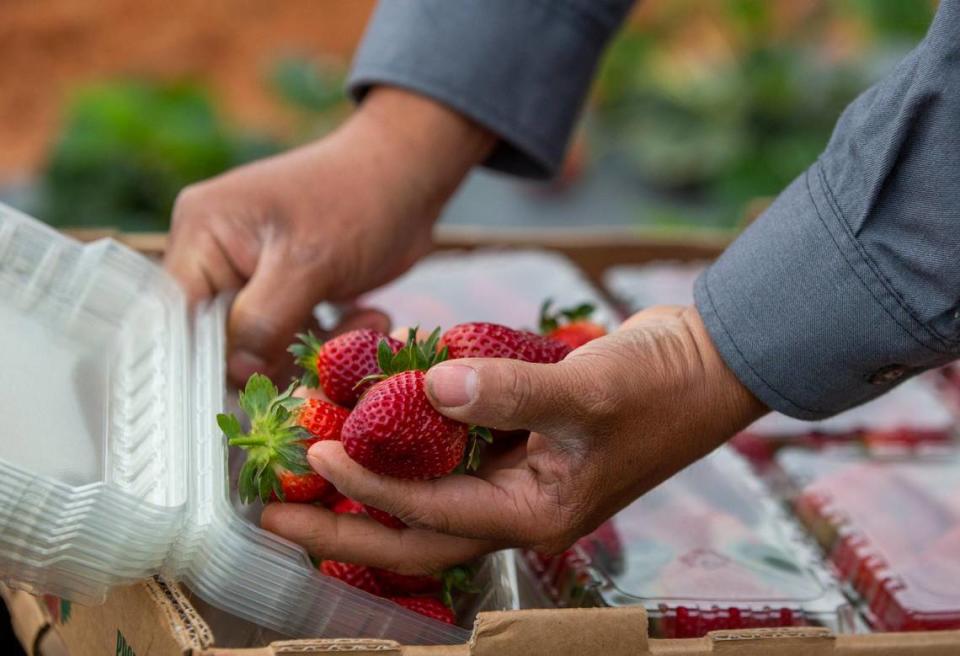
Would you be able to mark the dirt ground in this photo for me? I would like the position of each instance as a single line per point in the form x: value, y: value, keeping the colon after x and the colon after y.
x: 48, y: 47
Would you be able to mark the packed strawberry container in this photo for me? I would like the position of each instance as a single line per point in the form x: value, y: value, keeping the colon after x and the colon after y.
x: 890, y: 527
x: 708, y: 549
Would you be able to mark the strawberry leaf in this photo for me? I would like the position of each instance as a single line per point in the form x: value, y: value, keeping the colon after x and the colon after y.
x: 551, y: 321
x: 230, y: 425
x: 458, y: 578
x: 548, y: 322
x: 478, y: 435
x: 246, y: 484
x: 257, y: 396
x: 305, y: 353
x: 413, y: 356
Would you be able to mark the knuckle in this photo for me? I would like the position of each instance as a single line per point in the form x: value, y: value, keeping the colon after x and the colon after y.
x: 188, y: 200
x: 594, y: 395
x: 510, y: 394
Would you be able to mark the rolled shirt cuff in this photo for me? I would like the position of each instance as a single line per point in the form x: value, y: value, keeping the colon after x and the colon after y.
x: 800, y: 316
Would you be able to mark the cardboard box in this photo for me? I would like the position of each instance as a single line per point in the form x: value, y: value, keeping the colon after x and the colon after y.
x: 156, y: 619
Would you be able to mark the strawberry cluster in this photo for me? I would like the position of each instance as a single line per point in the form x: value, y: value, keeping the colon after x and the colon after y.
x: 380, y: 412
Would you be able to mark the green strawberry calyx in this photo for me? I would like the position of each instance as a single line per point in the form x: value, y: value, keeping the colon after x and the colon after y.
x: 419, y: 355
x: 305, y: 353
x: 274, y: 443
x: 415, y: 355
x: 460, y: 578
x: 550, y: 321
x: 477, y: 437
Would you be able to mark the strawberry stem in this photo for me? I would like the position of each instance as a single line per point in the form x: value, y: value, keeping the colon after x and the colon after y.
x: 247, y: 440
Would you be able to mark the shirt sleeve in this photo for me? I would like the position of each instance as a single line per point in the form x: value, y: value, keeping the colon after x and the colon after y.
x: 850, y: 282
x: 520, y: 68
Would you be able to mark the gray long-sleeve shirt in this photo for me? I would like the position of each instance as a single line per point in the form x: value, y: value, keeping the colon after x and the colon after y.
x: 848, y: 283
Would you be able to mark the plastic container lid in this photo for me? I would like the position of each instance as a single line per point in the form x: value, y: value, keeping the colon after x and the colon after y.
x: 112, y: 468
x: 708, y: 549
x: 892, y: 529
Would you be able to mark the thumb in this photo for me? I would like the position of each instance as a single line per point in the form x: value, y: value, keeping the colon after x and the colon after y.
x: 276, y: 303
x: 505, y: 394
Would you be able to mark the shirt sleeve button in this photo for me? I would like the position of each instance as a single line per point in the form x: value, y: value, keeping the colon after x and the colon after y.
x: 886, y: 375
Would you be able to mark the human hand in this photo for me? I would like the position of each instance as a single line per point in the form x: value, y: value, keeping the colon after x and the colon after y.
x: 611, y: 421
x: 326, y: 221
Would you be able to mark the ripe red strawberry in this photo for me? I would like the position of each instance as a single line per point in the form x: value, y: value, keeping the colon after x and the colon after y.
x: 394, y: 431
x: 339, y: 365
x: 384, y: 518
x: 406, y: 584
x: 276, y: 465
x: 432, y: 608
x: 491, y: 340
x: 348, y: 506
x: 322, y: 419
x: 300, y: 488
x: 571, y: 326
x: 332, y: 497
x: 359, y: 576
x: 454, y: 578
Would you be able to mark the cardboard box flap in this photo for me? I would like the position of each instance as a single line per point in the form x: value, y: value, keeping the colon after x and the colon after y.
x: 928, y: 643
x: 558, y: 632
x: 799, y: 641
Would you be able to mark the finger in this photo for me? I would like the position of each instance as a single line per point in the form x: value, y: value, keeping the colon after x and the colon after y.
x: 276, y: 303
x: 464, y: 506
x: 653, y: 313
x: 360, y: 539
x: 508, y: 394
x: 201, y: 266
x: 304, y: 392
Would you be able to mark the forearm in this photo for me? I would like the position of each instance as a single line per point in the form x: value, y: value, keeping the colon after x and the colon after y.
x: 522, y: 69
x: 849, y: 283
x: 438, y: 143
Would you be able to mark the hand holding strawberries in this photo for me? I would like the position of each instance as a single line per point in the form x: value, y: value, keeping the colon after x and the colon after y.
x: 326, y: 221
x: 612, y: 420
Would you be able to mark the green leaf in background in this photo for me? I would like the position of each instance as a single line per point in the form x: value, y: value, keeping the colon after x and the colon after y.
x: 127, y: 148
x: 304, y: 84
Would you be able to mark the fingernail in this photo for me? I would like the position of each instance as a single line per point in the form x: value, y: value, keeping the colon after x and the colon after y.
x: 243, y: 364
x: 452, y: 385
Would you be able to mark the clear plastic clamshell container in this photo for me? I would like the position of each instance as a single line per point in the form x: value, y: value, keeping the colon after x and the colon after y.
x: 890, y: 527
x: 708, y: 549
x: 112, y: 468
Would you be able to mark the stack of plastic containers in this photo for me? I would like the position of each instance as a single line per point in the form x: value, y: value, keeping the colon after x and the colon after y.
x: 708, y: 549
x: 112, y: 467
x: 890, y: 527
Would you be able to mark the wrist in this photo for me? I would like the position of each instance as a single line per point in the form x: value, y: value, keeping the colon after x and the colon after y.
x: 736, y: 406
x: 421, y: 143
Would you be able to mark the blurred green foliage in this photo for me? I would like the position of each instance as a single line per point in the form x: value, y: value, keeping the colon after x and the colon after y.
x: 308, y: 86
x: 127, y: 148
x: 717, y: 102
